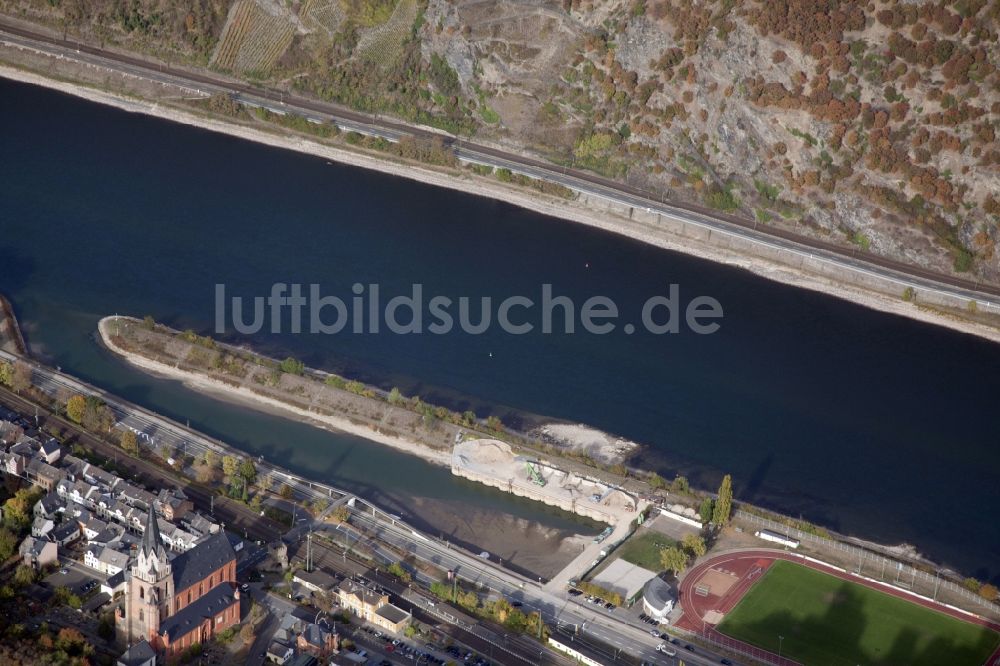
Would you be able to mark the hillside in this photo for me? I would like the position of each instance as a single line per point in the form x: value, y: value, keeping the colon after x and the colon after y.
x: 874, y: 124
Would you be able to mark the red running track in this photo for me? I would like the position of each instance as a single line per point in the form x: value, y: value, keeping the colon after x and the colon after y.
x: 748, y: 566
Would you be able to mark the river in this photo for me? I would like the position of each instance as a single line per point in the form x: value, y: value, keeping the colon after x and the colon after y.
x: 869, y: 423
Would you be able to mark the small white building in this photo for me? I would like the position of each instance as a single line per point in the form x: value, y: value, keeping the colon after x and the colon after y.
x: 778, y: 538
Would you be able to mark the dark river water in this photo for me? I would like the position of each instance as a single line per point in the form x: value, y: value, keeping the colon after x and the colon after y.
x: 868, y: 423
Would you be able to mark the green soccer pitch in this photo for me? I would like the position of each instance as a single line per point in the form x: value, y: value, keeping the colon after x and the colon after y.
x: 828, y: 621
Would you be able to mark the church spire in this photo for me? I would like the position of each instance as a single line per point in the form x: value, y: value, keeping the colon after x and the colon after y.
x: 152, y: 544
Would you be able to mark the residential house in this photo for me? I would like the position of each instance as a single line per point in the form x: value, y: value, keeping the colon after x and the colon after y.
x: 65, y: 532
x: 318, y: 641
x: 279, y: 652
x: 49, y: 506
x: 173, y: 504
x: 41, y: 527
x: 38, y: 553
x: 50, y: 451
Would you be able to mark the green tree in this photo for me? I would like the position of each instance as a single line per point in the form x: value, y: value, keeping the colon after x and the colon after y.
x: 229, y: 465
x: 6, y: 373
x: 724, y: 504
x: 75, y: 408
x: 988, y: 592
x: 706, y: 509
x: 286, y: 491
x: 395, y: 397
x: 129, y: 442
x: 694, y: 544
x: 397, y: 570
x: 656, y: 481
x: 680, y: 485
x: 341, y: 514
x: 24, y: 575
x: 211, y: 458
x: 292, y: 366
x: 8, y: 544
x: 673, y: 559
x: 248, y: 470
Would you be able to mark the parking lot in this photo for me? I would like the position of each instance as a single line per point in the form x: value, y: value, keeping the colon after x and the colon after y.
x: 77, y: 579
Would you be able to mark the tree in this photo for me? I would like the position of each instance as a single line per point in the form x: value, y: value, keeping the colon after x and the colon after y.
x: 247, y: 633
x: 988, y: 591
x: 21, y: 378
x: 724, y: 504
x: 286, y: 491
x: 680, y: 485
x: 292, y: 366
x: 395, y: 397
x: 673, y: 559
x: 248, y: 470
x: 694, y: 544
x: 8, y: 544
x: 656, y: 481
x: 229, y: 465
x: 706, y: 509
x: 75, y: 408
x: 6, y: 373
x: 211, y: 458
x: 24, y: 575
x: 204, y: 473
x: 129, y: 442
x: 341, y: 513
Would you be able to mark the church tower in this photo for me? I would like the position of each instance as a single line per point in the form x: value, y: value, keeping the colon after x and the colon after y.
x: 149, y: 591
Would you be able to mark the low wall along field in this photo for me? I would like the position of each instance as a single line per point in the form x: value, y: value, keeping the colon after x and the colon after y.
x: 827, y: 620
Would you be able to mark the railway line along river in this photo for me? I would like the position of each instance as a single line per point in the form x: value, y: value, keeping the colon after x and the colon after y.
x: 875, y: 425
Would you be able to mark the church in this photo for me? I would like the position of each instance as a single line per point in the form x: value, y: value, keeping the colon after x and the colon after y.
x: 174, y: 604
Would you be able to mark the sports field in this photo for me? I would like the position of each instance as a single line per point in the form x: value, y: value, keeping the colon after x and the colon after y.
x: 825, y: 620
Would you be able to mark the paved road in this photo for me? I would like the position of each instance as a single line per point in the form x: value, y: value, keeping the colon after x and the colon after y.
x: 203, y: 83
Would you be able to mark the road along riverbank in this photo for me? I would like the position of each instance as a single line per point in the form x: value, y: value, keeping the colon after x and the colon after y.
x: 696, y: 235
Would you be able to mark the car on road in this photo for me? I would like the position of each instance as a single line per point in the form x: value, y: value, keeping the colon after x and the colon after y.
x: 726, y: 662
x: 654, y: 633
x: 573, y: 592
x: 689, y: 648
x: 64, y: 571
x: 516, y: 604
x: 666, y: 649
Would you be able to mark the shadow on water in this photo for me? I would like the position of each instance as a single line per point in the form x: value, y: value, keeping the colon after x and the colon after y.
x: 846, y: 634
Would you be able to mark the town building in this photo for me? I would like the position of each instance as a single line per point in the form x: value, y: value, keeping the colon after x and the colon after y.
x: 372, y: 606
x: 176, y: 603
x: 38, y: 553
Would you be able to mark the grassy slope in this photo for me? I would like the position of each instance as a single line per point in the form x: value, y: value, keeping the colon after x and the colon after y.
x: 825, y: 620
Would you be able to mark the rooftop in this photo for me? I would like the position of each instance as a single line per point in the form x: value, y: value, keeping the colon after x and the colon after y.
x: 219, y: 598
x: 392, y: 613
x: 624, y: 578
x: 197, y: 563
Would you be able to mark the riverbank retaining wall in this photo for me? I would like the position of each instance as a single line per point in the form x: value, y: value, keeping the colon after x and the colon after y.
x: 813, y: 264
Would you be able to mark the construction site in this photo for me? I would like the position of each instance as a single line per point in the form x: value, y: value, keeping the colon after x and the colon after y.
x: 494, y: 463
